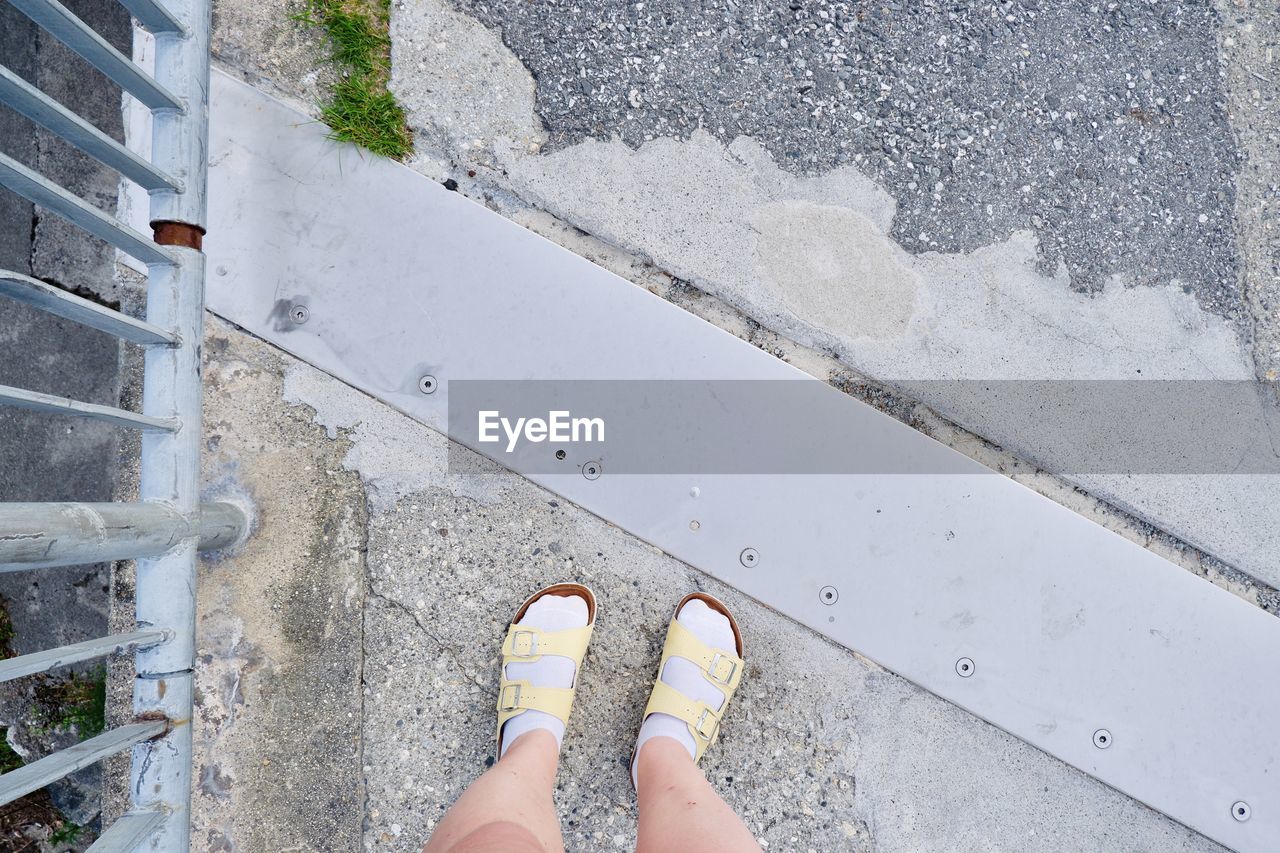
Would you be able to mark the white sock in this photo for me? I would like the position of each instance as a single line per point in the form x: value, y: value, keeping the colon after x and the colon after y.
x: 549, y: 613
x: 714, y: 629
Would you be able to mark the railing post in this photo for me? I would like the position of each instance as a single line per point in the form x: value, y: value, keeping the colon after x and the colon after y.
x: 180, y: 139
x: 166, y: 585
x: 160, y: 777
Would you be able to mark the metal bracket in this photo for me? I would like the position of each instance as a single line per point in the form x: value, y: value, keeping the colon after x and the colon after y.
x: 968, y: 584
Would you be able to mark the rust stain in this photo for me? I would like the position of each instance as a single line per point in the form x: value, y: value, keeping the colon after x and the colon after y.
x: 178, y: 234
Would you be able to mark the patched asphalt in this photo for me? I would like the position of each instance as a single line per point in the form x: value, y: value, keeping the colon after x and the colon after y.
x: 1101, y: 127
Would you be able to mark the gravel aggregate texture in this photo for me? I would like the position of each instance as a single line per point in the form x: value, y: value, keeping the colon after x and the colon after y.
x: 1100, y: 126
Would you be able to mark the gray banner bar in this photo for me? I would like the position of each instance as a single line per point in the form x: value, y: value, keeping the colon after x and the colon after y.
x: 807, y: 427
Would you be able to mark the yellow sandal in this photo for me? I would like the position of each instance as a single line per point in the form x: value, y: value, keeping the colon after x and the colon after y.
x: 720, y: 667
x: 526, y: 644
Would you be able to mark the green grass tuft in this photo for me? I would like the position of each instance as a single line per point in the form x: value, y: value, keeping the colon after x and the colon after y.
x: 9, y: 760
x: 68, y: 833
x: 361, y: 110
x: 6, y: 630
x: 79, y: 702
x: 368, y: 115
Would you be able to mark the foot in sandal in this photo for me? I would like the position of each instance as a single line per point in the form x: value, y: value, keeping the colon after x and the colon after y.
x: 541, y: 659
x: 510, y: 806
x: 701, y: 667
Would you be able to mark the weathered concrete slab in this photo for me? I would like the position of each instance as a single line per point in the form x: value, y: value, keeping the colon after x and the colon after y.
x: 298, y: 219
x: 694, y: 155
x: 279, y: 634
x: 825, y: 750
x: 1249, y: 37
x: 475, y: 108
x: 779, y: 215
x: 1099, y: 129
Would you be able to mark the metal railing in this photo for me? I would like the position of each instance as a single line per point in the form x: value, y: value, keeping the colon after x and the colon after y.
x: 167, y: 525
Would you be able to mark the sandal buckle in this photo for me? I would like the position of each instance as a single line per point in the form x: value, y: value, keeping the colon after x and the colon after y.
x: 717, y: 665
x: 708, y: 725
x: 524, y: 644
x: 509, y: 699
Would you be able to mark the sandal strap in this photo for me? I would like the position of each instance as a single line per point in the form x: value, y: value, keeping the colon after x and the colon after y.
x: 526, y: 644
x: 516, y: 697
x: 702, y: 720
x: 722, y: 669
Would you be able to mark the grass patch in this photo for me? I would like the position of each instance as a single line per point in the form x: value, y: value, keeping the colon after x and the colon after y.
x: 79, y: 702
x: 6, y: 630
x: 9, y: 760
x: 361, y: 110
x: 68, y: 833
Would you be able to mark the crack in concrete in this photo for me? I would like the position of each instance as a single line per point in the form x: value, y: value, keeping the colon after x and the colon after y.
x: 363, y: 551
x: 88, y: 294
x: 448, y: 651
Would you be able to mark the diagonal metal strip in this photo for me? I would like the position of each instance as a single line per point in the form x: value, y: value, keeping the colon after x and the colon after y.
x: 970, y: 585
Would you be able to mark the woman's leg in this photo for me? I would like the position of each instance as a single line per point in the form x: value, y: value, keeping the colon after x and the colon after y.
x: 679, y: 810
x: 509, y: 808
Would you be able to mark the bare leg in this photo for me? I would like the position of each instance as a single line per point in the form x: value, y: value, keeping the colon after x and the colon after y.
x: 679, y: 810
x: 509, y: 808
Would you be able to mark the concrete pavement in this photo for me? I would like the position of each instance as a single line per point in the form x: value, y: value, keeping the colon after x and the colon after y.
x: 827, y: 252
x: 370, y: 551
x: 817, y: 250
x: 347, y: 655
